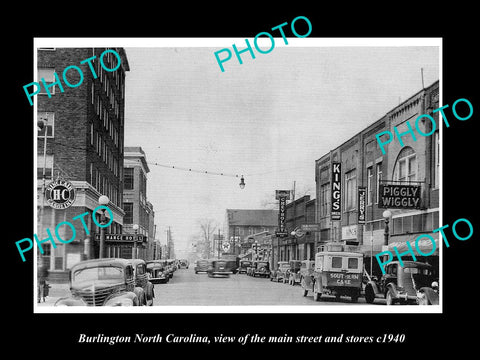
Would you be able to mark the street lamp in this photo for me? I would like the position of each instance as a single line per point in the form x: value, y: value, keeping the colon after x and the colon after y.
x: 242, y: 182
x: 134, y: 253
x: 103, y: 200
x: 387, y: 214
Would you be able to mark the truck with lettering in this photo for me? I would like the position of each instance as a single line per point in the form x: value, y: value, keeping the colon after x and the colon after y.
x: 337, y: 273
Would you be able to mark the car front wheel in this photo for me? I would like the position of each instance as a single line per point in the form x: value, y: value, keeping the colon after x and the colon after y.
x: 389, y: 297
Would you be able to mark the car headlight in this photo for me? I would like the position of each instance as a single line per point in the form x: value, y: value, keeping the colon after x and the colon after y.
x: 119, y: 302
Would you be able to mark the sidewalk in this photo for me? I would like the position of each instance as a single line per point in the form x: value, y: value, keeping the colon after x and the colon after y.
x: 56, y: 291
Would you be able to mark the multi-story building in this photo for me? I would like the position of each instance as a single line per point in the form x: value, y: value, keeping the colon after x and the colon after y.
x: 82, y: 143
x: 138, y: 211
x: 295, y: 246
x: 242, y: 223
x: 364, y: 165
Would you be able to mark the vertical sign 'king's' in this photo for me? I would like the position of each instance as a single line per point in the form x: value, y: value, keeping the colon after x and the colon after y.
x: 336, y: 211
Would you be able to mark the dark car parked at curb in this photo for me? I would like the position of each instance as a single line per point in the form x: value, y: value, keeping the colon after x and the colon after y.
x: 156, y: 271
x: 244, y: 265
x: 103, y: 282
x: 401, y: 284
x: 261, y: 269
x: 141, y: 280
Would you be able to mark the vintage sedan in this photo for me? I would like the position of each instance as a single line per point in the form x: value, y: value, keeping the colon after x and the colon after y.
x: 156, y: 271
x: 244, y: 265
x: 261, y: 269
x: 280, y: 272
x: 103, y: 282
x: 400, y: 284
x: 141, y: 280
x: 218, y: 268
x: 201, y: 265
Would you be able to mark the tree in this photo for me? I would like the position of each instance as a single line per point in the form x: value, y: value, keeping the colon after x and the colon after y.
x: 207, y: 229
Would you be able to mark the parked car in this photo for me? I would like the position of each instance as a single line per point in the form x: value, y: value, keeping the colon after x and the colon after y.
x: 293, y: 273
x: 218, y: 267
x: 428, y: 295
x: 400, y: 284
x: 280, y: 272
x: 171, y: 267
x: 261, y: 269
x: 141, y: 280
x: 338, y: 273
x: 201, y: 266
x: 156, y: 271
x: 306, y: 275
x: 102, y: 282
x: 244, y: 264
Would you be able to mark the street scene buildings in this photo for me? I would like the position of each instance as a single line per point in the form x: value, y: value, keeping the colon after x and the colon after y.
x: 87, y: 159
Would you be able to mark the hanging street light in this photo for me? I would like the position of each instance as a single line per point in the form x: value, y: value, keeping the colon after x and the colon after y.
x: 242, y: 182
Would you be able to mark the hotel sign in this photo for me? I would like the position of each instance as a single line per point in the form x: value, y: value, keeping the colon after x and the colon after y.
x: 336, y: 210
x: 399, y: 196
x: 122, y: 237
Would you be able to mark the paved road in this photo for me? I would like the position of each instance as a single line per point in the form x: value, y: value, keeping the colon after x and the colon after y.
x: 188, y: 288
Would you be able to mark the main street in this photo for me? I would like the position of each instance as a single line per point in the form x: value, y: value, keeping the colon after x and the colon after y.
x: 188, y: 288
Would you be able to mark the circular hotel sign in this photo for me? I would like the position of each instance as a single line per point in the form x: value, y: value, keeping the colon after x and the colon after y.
x: 60, y: 194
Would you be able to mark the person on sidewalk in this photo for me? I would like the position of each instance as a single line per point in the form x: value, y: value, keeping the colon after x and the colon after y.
x: 42, y: 285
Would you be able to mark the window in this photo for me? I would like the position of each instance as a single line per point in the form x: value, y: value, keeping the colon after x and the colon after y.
x: 128, y: 178
x: 48, y: 162
x: 128, y: 208
x: 351, y: 190
x: 352, y: 263
x: 406, y: 166
x: 325, y: 199
x: 436, y: 160
x: 48, y: 75
x: 336, y: 262
x: 379, y: 180
x: 49, y: 119
x: 369, y: 186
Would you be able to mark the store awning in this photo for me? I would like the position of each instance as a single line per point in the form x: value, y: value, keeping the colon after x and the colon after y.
x: 423, y: 247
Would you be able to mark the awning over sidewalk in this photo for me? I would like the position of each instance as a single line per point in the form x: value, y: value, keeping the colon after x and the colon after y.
x: 423, y: 247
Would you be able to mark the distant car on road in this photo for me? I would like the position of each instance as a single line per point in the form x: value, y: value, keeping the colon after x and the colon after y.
x: 183, y: 264
x: 201, y: 266
x: 218, y: 267
x: 103, y: 282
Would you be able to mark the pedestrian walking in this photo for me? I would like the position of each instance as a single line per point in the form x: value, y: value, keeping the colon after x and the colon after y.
x: 42, y: 285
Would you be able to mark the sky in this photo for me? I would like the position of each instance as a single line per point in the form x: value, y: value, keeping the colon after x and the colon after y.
x: 267, y: 119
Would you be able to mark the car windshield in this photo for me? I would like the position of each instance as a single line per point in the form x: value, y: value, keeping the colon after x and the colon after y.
x: 106, y: 274
x: 415, y: 270
x: 260, y: 264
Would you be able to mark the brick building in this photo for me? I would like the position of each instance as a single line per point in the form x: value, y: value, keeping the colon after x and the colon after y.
x: 137, y: 209
x: 242, y: 223
x: 84, y: 145
x: 363, y: 164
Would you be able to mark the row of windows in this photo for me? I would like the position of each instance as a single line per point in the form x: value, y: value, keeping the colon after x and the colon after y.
x: 104, y: 186
x: 405, y: 170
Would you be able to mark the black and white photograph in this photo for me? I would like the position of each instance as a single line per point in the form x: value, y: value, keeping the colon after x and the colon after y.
x: 299, y: 180
x: 167, y: 184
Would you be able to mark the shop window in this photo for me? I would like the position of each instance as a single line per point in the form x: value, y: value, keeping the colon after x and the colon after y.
x: 128, y: 178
